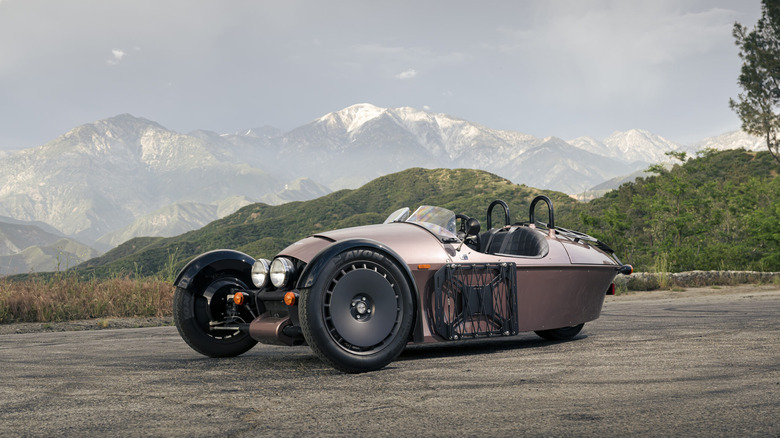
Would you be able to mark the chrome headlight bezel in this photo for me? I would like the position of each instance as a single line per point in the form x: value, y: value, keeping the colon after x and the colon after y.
x: 260, y: 273
x: 281, y: 271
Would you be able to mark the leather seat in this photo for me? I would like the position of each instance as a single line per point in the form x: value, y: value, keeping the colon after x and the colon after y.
x: 515, y: 241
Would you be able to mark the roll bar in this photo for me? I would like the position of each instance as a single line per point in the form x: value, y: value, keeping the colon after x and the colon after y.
x: 547, y: 201
x: 503, y: 204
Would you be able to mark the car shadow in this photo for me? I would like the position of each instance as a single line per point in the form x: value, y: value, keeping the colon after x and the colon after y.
x: 477, y: 347
x: 266, y: 359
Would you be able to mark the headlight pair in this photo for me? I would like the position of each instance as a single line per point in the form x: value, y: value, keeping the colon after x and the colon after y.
x: 280, y: 271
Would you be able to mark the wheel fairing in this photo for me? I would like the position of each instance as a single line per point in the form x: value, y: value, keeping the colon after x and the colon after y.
x: 216, y: 260
x: 314, y: 268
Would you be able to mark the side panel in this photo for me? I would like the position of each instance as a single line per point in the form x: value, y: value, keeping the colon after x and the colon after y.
x: 553, y: 298
x: 547, y: 298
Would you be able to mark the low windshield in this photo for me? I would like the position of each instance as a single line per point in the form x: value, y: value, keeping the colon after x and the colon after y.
x: 437, y: 220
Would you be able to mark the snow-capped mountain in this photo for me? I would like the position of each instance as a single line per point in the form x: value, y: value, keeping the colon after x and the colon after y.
x: 110, y: 180
x: 732, y: 140
x: 635, y: 145
x: 101, y: 176
x: 567, y: 168
x: 346, y: 148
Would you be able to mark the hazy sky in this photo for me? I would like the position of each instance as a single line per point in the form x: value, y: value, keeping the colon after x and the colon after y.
x: 563, y: 68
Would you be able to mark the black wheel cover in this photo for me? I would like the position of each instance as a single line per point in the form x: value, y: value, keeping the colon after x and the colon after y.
x: 366, y: 332
x: 358, y: 314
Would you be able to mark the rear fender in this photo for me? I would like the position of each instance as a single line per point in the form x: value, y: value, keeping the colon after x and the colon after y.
x: 215, y: 261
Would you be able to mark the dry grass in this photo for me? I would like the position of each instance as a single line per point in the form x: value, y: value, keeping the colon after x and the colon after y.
x: 63, y: 298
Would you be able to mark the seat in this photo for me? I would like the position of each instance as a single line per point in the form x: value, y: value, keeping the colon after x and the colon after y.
x: 516, y: 241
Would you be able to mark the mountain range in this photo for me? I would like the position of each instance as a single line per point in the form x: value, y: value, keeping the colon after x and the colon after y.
x: 105, y: 182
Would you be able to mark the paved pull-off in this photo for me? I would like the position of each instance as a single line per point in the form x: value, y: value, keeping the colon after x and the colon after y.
x: 658, y: 363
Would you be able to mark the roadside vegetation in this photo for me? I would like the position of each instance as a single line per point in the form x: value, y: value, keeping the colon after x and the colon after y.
x: 64, y: 297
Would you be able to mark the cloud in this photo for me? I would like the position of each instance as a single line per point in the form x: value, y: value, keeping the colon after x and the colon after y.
x: 118, y: 55
x: 407, y: 74
x: 603, y: 51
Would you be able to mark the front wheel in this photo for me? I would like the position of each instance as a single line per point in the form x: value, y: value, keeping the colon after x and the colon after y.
x: 560, y: 334
x: 357, y: 316
x: 194, y: 310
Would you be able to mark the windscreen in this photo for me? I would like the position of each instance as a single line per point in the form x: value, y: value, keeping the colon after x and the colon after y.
x: 437, y: 220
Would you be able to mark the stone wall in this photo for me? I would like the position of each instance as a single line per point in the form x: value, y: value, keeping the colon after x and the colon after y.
x: 651, y: 281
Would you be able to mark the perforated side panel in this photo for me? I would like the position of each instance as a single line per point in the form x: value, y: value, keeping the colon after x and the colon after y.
x: 475, y: 300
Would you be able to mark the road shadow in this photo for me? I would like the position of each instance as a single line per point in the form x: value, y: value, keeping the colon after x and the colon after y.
x: 477, y: 347
x: 275, y: 359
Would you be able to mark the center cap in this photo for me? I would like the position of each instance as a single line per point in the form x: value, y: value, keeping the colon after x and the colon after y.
x: 361, y: 307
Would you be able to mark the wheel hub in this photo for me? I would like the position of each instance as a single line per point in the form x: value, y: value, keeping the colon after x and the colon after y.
x: 361, y: 307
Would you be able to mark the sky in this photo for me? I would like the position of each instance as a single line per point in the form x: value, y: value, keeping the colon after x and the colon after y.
x: 564, y: 68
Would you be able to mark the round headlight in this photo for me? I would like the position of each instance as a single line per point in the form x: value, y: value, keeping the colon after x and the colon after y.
x: 281, y: 271
x: 260, y: 272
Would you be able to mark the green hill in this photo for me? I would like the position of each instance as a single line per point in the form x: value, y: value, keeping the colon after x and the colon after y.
x: 720, y: 211
x: 262, y: 230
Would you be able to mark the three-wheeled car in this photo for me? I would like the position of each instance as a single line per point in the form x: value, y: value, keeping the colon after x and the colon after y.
x: 358, y: 296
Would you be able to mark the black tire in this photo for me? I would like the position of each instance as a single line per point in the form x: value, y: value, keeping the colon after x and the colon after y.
x: 560, y: 334
x: 358, y: 315
x: 192, y: 314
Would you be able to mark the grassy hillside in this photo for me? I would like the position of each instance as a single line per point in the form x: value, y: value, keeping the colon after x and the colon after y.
x: 263, y: 230
x: 719, y: 211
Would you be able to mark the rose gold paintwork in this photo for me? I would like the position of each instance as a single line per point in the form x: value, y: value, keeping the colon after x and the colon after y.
x: 564, y: 288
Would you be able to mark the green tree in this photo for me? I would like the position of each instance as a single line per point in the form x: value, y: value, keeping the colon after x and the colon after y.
x: 760, y: 76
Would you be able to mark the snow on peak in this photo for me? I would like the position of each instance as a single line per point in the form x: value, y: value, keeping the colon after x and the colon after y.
x: 353, y: 117
x: 640, y: 145
x: 732, y: 140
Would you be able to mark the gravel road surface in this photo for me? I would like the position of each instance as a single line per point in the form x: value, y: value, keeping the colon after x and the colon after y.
x: 700, y: 362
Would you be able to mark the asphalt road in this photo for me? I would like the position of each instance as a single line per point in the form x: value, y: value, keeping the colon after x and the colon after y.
x: 660, y: 364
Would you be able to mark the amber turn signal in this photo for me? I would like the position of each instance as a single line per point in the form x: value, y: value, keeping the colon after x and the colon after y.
x: 290, y: 298
x: 239, y: 298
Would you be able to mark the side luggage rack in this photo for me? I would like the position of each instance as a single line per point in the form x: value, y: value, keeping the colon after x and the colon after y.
x: 475, y: 300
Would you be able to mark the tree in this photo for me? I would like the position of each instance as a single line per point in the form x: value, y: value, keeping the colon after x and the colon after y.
x: 760, y: 77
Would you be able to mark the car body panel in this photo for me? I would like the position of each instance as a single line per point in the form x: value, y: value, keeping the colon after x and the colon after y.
x: 566, y: 287
x: 414, y: 244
